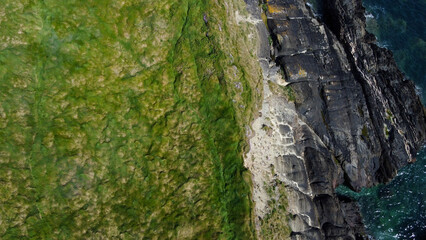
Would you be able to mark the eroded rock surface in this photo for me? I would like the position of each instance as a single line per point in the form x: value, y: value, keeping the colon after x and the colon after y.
x: 341, y: 113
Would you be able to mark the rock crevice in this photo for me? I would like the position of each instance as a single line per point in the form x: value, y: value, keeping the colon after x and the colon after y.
x: 344, y: 115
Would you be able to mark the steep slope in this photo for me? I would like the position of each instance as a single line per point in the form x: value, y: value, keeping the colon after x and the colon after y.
x: 341, y: 113
x: 129, y: 119
x: 393, y: 103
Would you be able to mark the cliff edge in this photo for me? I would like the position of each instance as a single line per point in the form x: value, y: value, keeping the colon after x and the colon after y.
x: 336, y: 110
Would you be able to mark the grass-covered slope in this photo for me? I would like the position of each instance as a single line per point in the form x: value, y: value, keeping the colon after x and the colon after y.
x: 125, y: 119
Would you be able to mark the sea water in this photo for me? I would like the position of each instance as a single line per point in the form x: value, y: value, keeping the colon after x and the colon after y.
x: 398, y: 210
x: 400, y: 25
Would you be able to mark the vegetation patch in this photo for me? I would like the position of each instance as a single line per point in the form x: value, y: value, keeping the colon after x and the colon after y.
x: 121, y: 120
x: 364, y: 133
x: 285, y: 91
x: 289, y: 93
x: 275, y: 224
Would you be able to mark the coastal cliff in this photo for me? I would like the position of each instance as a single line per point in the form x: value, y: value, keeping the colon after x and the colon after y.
x: 191, y: 119
x: 336, y: 110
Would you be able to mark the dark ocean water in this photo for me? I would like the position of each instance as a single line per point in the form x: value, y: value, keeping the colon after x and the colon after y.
x: 400, y: 25
x: 397, y: 210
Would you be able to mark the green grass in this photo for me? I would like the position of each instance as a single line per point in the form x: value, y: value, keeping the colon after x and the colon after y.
x: 289, y: 93
x: 364, y: 132
x: 285, y: 91
x: 274, y: 225
x: 117, y: 121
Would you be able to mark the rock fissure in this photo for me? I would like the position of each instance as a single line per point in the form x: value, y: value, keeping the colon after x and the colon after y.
x: 347, y: 123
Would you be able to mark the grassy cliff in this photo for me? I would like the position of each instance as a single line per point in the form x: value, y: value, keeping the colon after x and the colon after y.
x: 125, y: 119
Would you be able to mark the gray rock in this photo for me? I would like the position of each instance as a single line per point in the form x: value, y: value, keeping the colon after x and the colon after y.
x: 363, y: 119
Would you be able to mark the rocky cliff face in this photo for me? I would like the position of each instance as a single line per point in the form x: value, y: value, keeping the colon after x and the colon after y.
x: 336, y: 111
x: 391, y: 99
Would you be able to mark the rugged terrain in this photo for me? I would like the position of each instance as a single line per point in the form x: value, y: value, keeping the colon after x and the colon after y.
x: 338, y: 111
x: 131, y: 119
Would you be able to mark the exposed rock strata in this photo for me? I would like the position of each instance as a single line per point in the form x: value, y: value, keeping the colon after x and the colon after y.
x: 391, y: 98
x: 355, y: 120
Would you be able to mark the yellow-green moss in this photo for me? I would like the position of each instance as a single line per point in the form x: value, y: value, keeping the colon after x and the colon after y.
x: 364, y: 132
x: 117, y: 120
x: 274, y: 225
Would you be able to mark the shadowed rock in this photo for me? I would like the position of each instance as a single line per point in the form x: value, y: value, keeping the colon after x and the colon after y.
x: 362, y: 120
